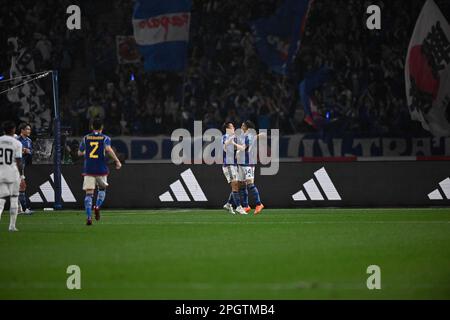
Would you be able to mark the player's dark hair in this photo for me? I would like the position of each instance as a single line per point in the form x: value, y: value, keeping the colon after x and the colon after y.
x: 9, y: 127
x: 97, y: 124
x: 249, y: 124
x: 23, y: 126
x: 226, y: 125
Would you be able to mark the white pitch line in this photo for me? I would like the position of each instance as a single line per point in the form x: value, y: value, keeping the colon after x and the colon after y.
x: 242, y: 222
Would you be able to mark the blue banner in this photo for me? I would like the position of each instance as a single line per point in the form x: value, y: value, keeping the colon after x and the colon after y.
x: 278, y: 37
x: 161, y: 31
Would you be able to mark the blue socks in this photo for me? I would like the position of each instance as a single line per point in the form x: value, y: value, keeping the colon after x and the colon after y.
x: 88, y: 205
x: 89, y: 199
x: 244, y: 195
x: 252, y: 188
x: 230, y: 199
x: 100, y: 198
x: 236, y: 199
x: 23, y: 200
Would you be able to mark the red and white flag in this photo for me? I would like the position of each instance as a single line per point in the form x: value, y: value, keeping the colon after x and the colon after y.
x: 427, y: 71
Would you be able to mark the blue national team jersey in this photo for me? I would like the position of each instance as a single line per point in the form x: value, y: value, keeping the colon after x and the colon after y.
x: 95, y: 161
x: 26, y: 143
x: 249, y: 156
x: 229, y: 154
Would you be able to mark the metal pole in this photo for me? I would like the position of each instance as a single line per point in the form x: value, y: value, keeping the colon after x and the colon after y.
x: 57, y: 143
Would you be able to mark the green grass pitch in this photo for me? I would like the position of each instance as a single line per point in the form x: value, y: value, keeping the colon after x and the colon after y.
x: 209, y: 254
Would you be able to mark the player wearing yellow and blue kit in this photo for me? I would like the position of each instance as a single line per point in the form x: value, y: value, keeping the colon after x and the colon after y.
x: 94, y: 147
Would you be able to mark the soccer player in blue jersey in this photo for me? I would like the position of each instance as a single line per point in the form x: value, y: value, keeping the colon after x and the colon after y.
x: 229, y: 168
x: 247, y: 159
x: 27, y: 150
x: 94, y: 147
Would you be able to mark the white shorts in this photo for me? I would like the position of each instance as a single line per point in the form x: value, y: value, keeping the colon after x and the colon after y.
x: 9, y: 189
x: 90, y: 182
x: 231, y: 173
x: 246, y: 173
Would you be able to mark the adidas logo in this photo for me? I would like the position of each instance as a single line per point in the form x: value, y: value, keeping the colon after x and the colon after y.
x: 437, y: 195
x: 179, y: 191
x: 46, y: 190
x: 313, y: 191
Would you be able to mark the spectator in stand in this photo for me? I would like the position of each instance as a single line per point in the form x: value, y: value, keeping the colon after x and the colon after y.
x: 225, y: 79
x: 95, y: 111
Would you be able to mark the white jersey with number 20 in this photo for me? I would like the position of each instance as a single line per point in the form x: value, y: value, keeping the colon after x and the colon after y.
x: 10, y: 150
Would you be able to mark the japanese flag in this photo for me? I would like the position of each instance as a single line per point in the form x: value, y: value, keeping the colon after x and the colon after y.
x: 427, y: 71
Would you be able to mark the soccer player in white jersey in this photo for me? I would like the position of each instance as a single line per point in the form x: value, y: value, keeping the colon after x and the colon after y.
x: 10, y: 158
x: 229, y: 168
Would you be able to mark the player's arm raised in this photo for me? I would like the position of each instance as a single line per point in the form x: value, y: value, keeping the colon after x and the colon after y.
x: 111, y: 152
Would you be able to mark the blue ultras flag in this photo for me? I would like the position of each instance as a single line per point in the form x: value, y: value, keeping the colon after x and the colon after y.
x: 161, y: 31
x: 277, y: 38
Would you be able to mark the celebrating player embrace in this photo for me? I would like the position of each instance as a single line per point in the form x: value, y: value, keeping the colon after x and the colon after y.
x: 94, y: 147
x: 239, y: 160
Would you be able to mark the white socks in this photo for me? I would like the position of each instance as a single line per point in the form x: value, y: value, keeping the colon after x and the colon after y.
x: 13, y: 210
x: 2, y: 206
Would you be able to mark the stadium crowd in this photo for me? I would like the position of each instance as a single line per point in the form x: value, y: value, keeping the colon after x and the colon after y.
x: 35, y: 38
x: 225, y: 79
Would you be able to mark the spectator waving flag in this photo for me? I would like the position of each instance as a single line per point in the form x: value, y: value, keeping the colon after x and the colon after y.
x: 161, y: 31
x: 277, y: 38
x: 427, y: 71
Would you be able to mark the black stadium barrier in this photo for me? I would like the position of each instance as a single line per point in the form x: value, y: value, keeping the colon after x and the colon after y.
x: 297, y: 185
